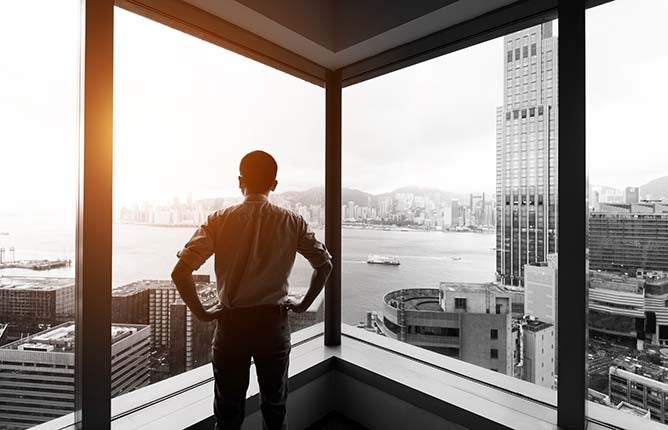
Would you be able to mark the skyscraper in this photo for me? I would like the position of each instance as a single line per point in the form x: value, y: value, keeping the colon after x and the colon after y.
x: 526, y: 153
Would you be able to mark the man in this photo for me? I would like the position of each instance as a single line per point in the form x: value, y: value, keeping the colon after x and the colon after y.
x: 254, y: 245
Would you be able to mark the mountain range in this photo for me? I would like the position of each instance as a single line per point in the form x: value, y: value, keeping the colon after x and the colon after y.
x: 316, y: 196
x: 658, y: 188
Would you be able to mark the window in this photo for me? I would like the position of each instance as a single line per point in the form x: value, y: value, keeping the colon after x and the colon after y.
x: 533, y: 49
x: 412, y: 252
x: 627, y: 220
x: 201, y: 127
x: 510, y: 56
x: 39, y: 136
x: 494, y: 353
x: 525, y: 51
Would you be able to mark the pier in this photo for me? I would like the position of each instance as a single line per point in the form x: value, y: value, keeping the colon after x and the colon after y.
x: 36, y: 264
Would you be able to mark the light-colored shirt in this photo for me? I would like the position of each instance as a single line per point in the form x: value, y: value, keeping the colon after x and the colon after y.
x: 255, y: 244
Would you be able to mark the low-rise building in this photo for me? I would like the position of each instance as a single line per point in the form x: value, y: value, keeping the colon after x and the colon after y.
x: 37, y: 372
x: 640, y: 384
x: 471, y: 322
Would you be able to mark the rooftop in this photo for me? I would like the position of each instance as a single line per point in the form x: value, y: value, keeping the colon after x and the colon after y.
x: 642, y: 368
x: 633, y: 410
x: 536, y: 325
x: 61, y: 338
x: 470, y: 287
x: 145, y: 284
x: 34, y: 284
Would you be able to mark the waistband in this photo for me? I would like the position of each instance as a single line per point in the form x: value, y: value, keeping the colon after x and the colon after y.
x: 259, y: 309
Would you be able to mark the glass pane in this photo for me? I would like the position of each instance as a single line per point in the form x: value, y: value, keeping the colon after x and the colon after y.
x: 39, y: 111
x: 185, y: 113
x: 628, y: 211
x: 450, y: 205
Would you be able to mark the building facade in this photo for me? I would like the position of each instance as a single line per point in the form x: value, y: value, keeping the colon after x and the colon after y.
x: 526, y: 153
x: 471, y: 322
x: 536, y: 353
x: 634, y: 307
x: 37, y: 372
x: 628, y: 237
x: 29, y: 304
x: 540, y: 288
x: 642, y: 386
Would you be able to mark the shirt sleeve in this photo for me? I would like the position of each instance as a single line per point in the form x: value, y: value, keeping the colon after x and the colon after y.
x: 200, y: 246
x: 311, y: 248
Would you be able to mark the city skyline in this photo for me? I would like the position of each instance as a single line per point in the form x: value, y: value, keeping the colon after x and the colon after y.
x: 149, y: 130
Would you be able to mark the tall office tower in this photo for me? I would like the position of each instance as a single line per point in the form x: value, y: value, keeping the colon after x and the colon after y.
x: 526, y: 153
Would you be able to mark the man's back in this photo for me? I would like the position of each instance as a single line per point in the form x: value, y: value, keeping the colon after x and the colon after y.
x: 255, y: 244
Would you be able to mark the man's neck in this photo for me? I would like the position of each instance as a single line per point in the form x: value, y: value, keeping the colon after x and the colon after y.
x: 256, y: 197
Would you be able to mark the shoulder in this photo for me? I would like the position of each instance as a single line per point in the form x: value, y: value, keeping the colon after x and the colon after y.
x: 291, y: 216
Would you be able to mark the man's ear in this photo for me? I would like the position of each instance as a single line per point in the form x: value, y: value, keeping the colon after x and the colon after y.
x: 273, y: 187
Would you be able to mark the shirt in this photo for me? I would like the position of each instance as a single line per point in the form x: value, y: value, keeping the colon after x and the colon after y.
x: 255, y: 244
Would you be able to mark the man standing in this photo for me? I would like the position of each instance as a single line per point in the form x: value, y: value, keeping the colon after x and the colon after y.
x: 255, y: 244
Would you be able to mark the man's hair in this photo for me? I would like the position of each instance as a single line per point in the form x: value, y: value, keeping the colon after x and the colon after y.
x: 258, y: 169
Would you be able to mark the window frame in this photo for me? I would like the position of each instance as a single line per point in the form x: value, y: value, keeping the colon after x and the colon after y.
x: 93, y: 278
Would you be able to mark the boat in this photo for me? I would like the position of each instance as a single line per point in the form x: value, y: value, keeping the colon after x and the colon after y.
x: 383, y: 259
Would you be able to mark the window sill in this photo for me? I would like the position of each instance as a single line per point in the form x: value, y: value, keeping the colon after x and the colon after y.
x: 441, y: 388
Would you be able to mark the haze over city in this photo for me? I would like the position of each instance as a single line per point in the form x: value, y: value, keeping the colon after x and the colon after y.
x: 436, y: 128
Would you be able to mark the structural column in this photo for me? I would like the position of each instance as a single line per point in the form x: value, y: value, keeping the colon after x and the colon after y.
x: 572, y: 288
x: 94, y: 218
x: 333, y: 206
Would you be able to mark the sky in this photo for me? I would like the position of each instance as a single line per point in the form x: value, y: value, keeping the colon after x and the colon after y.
x: 186, y: 111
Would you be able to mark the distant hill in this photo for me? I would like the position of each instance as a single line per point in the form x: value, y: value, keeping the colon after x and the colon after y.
x: 657, y: 189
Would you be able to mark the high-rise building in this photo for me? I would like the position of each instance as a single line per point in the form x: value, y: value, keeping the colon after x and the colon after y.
x: 129, y: 304
x: 540, y: 287
x: 471, y: 322
x: 29, y: 304
x: 627, y: 237
x: 37, y: 372
x: 526, y: 153
x: 632, y: 195
x: 536, y: 347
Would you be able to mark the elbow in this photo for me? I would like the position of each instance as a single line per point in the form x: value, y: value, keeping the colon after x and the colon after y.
x: 327, y: 267
x: 178, y: 273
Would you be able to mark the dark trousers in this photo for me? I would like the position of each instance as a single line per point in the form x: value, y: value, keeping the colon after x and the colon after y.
x: 263, y: 333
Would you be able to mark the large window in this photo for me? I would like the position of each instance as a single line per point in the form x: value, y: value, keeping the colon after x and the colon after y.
x: 39, y: 111
x: 628, y: 207
x: 449, y: 204
x: 185, y: 112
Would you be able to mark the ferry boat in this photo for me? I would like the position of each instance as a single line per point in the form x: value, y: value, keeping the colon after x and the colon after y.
x: 383, y: 259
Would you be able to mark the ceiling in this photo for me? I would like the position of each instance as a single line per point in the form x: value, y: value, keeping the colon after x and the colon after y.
x: 334, y: 34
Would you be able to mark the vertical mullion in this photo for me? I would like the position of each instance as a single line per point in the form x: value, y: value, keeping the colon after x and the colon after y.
x: 94, y: 219
x: 333, y: 205
x: 572, y: 296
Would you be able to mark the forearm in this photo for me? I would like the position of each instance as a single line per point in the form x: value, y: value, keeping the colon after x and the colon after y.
x: 183, y: 280
x: 318, y: 280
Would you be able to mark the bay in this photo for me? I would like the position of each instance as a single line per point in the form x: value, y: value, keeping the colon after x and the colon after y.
x: 149, y: 252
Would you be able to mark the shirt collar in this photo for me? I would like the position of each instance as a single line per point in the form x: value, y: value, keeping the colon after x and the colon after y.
x: 256, y: 198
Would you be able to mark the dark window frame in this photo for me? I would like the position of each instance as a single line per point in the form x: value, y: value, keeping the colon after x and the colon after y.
x: 94, y: 250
